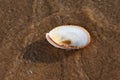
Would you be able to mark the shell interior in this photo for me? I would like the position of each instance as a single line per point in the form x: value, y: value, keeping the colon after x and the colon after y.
x: 70, y: 35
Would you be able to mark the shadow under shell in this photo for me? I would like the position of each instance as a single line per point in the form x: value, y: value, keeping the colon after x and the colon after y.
x: 42, y: 52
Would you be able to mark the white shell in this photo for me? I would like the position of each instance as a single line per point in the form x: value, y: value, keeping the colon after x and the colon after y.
x: 68, y: 37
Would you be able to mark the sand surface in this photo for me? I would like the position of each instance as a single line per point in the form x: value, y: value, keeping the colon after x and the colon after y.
x: 26, y: 55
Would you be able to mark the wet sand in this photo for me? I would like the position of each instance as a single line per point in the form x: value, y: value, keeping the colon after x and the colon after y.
x: 26, y: 55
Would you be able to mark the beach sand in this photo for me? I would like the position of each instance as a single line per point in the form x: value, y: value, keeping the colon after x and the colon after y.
x: 25, y: 54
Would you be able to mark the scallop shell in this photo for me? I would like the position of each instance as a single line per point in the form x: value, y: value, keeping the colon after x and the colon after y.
x: 68, y: 37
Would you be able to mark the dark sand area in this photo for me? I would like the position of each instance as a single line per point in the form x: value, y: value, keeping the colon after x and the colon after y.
x: 25, y: 54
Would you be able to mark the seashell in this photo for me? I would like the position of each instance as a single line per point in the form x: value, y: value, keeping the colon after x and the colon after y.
x: 68, y: 37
